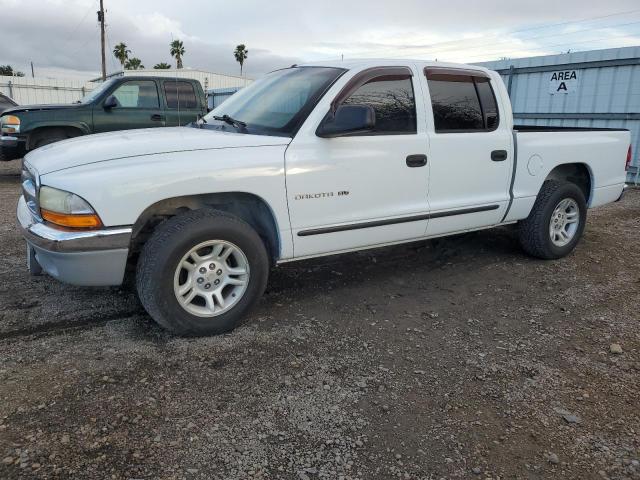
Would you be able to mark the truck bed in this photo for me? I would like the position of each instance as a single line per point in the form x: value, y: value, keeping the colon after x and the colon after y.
x: 540, y: 149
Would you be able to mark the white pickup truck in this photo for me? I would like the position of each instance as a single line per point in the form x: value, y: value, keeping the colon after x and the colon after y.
x: 308, y: 161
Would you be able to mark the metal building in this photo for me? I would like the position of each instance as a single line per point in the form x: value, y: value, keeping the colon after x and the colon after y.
x: 28, y: 91
x: 599, y: 88
x: 215, y: 96
x: 208, y: 80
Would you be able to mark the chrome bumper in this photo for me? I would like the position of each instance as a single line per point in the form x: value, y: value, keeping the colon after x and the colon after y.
x: 89, y: 258
x: 8, y: 141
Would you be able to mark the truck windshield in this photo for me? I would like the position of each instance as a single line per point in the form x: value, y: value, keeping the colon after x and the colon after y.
x: 278, y: 103
x: 95, y: 93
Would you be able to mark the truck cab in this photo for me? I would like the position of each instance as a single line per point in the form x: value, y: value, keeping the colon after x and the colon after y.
x: 121, y: 103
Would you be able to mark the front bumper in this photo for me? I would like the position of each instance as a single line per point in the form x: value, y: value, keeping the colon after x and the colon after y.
x: 11, y: 147
x: 86, y: 258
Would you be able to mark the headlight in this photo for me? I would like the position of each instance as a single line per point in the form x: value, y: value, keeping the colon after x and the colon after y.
x: 30, y: 188
x: 10, y: 124
x: 66, y: 209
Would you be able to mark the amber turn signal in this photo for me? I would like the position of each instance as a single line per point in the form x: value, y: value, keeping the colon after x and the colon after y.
x: 88, y: 221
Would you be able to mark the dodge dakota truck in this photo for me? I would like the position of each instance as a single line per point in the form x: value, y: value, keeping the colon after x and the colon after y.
x: 308, y: 161
x: 120, y: 103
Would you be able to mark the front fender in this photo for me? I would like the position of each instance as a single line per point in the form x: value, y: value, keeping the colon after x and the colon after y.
x: 120, y: 190
x: 82, y: 126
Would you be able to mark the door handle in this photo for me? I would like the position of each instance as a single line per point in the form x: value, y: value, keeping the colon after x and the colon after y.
x: 414, y: 161
x: 499, y: 155
x: 157, y: 118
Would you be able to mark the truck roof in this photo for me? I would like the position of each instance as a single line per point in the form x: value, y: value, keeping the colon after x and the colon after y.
x: 381, y: 62
x: 152, y: 77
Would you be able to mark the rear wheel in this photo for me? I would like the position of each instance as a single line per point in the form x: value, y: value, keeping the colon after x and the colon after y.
x: 556, y: 222
x: 201, y: 272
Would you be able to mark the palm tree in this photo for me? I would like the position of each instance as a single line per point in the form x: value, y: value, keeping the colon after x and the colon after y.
x: 177, y: 51
x: 8, y: 70
x: 241, y: 55
x: 121, y: 53
x: 134, y: 64
x: 162, y: 66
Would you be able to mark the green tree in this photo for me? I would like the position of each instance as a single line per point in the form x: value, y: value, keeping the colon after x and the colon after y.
x: 121, y: 53
x: 241, y: 54
x: 162, y: 66
x: 177, y: 52
x: 9, y: 71
x: 134, y: 64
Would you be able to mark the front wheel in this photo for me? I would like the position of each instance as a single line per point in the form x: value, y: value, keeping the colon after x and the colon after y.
x: 201, y: 271
x: 556, y: 222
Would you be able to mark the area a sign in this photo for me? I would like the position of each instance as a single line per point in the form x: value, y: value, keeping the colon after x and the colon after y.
x: 565, y: 81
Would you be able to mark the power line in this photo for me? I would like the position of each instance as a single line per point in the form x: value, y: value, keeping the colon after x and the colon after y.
x: 486, y: 37
x: 84, y: 17
x: 607, y: 27
x: 497, y: 44
x: 439, y: 53
x: 565, y: 45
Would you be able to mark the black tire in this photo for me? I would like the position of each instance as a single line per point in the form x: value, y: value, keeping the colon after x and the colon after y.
x: 41, y: 142
x: 166, y: 247
x: 534, y: 232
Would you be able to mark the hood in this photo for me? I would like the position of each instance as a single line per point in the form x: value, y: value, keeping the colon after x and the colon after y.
x: 35, y: 108
x: 134, y: 143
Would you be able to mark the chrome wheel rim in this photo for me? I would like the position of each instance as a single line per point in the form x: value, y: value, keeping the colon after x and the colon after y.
x: 564, y: 223
x: 211, y: 278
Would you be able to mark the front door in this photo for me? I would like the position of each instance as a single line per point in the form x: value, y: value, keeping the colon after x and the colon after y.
x: 470, y: 151
x: 364, y: 189
x: 138, y: 106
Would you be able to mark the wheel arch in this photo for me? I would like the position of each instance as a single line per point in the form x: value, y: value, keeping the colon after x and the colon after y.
x: 251, y: 208
x: 578, y: 173
x: 39, y: 132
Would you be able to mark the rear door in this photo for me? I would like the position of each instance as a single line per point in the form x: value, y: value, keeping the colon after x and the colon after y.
x: 182, y: 104
x: 138, y: 106
x: 470, y: 150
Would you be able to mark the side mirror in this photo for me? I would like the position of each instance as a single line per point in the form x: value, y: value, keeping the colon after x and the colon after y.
x: 347, y: 120
x: 110, y: 102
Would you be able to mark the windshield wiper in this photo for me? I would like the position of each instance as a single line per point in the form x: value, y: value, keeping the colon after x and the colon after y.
x: 231, y: 121
x: 201, y: 121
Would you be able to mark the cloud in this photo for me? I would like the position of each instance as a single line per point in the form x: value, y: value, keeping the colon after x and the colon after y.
x: 63, y: 35
x: 69, y: 40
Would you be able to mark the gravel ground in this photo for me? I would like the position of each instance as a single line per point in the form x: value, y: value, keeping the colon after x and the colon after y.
x: 456, y: 358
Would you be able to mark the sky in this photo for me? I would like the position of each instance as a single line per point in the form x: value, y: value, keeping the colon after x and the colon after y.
x: 62, y: 37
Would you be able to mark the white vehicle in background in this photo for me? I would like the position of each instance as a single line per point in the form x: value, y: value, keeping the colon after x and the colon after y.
x: 309, y: 161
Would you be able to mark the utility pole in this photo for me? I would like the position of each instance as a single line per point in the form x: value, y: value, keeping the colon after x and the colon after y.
x: 32, y: 74
x: 104, y: 61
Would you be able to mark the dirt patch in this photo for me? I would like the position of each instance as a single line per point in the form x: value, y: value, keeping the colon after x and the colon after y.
x: 456, y: 358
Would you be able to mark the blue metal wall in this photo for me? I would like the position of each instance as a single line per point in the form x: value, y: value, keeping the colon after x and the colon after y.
x: 215, y: 96
x: 607, y: 93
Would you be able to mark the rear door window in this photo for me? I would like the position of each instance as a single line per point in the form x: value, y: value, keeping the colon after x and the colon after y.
x: 180, y: 95
x: 462, y: 103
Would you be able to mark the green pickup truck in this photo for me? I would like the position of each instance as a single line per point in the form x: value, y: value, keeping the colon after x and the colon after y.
x: 120, y: 103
